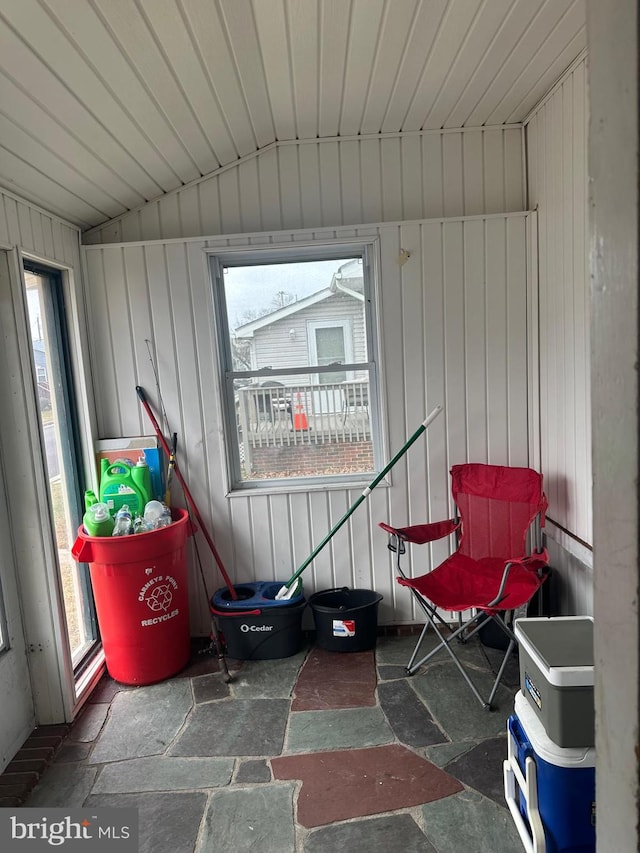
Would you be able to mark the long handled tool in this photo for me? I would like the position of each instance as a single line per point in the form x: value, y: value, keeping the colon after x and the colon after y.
x: 291, y: 585
x: 185, y: 489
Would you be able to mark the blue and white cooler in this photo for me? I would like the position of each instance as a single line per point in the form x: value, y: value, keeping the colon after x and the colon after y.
x: 550, y: 790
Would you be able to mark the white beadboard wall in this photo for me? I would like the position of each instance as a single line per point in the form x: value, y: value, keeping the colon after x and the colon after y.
x: 556, y: 140
x: 38, y: 233
x: 34, y: 232
x: 453, y: 324
x: 343, y: 181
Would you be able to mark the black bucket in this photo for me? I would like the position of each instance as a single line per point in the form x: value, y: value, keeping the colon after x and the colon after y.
x: 346, y: 619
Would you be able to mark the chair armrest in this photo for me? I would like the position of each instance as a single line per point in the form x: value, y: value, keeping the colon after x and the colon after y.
x: 420, y: 534
x: 536, y: 563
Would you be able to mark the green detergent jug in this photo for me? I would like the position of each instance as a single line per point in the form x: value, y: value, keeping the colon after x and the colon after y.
x: 122, y: 483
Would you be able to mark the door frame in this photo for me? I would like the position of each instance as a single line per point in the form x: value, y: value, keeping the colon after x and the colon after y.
x: 18, y: 713
x: 57, y: 697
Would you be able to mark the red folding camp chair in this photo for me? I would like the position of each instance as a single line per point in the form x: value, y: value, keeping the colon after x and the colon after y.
x: 495, y: 570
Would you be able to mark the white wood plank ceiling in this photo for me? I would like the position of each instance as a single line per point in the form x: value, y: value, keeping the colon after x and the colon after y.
x: 106, y: 104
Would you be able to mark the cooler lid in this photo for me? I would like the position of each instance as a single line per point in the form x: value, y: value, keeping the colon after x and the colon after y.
x: 563, y: 644
x: 544, y: 747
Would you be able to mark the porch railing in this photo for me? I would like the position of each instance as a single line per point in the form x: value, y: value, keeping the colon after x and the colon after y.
x: 288, y: 415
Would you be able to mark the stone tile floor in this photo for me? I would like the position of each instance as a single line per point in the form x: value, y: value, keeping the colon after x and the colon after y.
x: 317, y: 752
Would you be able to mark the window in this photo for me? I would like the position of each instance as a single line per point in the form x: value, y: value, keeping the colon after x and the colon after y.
x: 295, y: 331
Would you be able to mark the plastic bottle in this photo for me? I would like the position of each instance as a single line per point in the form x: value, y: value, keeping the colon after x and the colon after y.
x: 123, y: 524
x: 142, y: 478
x: 140, y: 525
x: 123, y: 484
x: 157, y: 514
x: 90, y: 498
x: 97, y: 520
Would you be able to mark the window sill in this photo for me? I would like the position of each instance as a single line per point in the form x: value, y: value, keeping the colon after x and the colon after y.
x: 285, y: 488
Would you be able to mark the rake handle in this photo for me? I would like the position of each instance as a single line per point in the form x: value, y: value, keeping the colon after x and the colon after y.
x: 185, y: 489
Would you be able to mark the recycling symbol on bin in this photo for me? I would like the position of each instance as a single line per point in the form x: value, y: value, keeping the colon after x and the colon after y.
x: 160, y: 598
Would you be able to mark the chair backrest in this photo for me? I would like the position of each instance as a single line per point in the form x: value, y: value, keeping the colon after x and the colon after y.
x: 497, y: 506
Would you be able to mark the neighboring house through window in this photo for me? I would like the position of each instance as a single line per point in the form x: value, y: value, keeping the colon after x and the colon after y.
x: 295, y: 331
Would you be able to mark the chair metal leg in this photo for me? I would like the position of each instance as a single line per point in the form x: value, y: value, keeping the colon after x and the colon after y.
x: 444, y: 643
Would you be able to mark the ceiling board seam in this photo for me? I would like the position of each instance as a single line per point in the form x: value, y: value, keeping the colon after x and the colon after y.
x: 455, y: 58
x: 73, y: 136
x: 176, y: 79
x: 506, y: 59
x: 84, y: 106
x: 537, y: 83
x: 487, y: 53
x: 376, y: 54
x: 151, y: 96
x: 401, y: 65
x: 54, y: 181
x: 521, y: 75
x: 66, y: 162
x: 236, y: 69
x: 552, y: 91
x: 443, y: 17
x: 346, y: 65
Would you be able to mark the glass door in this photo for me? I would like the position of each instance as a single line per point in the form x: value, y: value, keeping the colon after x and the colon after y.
x: 58, y: 416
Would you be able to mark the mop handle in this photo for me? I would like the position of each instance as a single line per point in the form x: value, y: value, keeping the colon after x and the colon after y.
x: 422, y: 428
x: 185, y: 489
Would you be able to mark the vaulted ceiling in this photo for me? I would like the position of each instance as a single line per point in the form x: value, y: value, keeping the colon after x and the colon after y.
x: 106, y: 104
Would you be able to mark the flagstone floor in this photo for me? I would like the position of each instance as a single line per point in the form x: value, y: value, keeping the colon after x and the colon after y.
x: 317, y: 752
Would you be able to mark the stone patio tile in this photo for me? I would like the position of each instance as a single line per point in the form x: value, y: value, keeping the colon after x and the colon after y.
x: 442, y: 753
x: 455, y: 708
x: 268, y: 679
x: 164, y: 774
x: 470, y: 822
x: 69, y: 752
x: 168, y: 823
x: 256, y: 770
x: 89, y: 723
x: 65, y: 785
x: 352, y: 783
x: 393, y: 832
x: 332, y: 680
x: 391, y: 672
x: 258, y: 819
x: 481, y: 768
x: 207, y: 688
x: 143, y: 721
x: 407, y: 715
x: 348, y: 729
x: 237, y: 727
x: 395, y: 651
x: 106, y: 690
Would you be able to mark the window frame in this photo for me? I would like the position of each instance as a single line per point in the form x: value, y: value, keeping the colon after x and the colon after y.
x: 218, y: 260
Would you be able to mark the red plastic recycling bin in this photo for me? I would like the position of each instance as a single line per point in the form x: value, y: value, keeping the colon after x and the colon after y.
x: 142, y: 604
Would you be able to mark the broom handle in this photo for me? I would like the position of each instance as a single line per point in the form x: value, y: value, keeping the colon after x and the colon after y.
x: 185, y: 489
x: 422, y: 428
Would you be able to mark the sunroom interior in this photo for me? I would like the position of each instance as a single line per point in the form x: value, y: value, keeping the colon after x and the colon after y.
x: 147, y: 148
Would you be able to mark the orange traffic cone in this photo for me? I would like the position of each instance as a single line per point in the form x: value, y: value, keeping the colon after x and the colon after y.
x: 299, y: 417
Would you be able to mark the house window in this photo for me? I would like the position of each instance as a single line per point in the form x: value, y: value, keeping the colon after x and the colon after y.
x: 330, y: 342
x: 297, y: 352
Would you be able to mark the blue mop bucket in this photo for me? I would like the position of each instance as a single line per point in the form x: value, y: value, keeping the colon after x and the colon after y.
x: 255, y: 626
